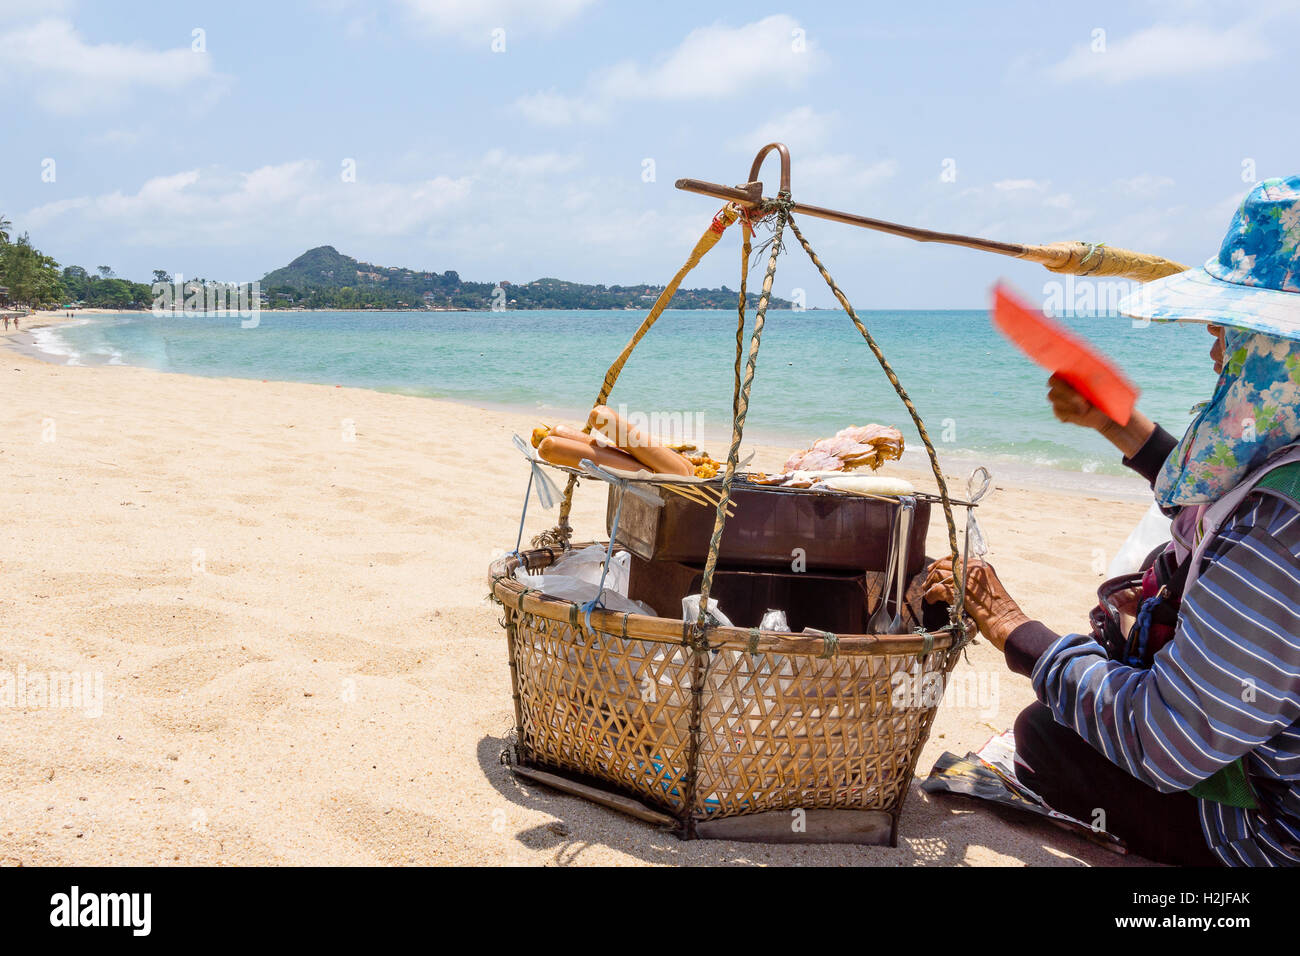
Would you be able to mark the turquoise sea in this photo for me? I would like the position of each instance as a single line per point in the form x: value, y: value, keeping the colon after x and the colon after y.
x: 978, y: 395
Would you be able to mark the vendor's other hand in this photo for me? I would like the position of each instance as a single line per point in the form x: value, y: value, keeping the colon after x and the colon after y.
x: 995, y: 612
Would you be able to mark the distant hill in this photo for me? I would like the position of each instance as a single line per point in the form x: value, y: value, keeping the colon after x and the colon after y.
x: 325, y: 278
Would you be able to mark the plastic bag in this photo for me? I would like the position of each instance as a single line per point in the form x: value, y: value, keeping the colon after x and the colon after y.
x: 774, y: 620
x: 1152, y: 531
x: 566, y: 587
x: 585, y: 565
x: 691, y: 611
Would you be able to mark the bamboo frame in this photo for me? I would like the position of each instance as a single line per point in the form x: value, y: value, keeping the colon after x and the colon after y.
x: 788, y: 721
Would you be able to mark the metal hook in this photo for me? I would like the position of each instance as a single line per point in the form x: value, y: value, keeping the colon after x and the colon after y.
x: 784, y: 153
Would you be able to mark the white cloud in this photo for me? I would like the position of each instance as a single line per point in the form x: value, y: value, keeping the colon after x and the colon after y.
x: 711, y: 63
x: 1165, y: 50
x: 491, y: 216
x: 31, y: 9
x: 841, y: 169
x: 1143, y: 184
x: 807, y: 131
x: 495, y: 215
x: 1015, y: 210
x: 549, y: 108
x: 1019, y: 185
x: 532, y: 166
x: 67, y: 75
x: 715, y: 62
x: 298, y: 199
x: 479, y: 17
x: 802, y: 128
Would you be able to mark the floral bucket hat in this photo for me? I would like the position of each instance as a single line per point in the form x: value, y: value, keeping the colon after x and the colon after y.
x: 1252, y: 289
x: 1254, y: 281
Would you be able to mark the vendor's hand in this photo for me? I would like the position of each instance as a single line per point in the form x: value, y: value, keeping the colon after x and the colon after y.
x: 1071, y: 407
x: 995, y: 612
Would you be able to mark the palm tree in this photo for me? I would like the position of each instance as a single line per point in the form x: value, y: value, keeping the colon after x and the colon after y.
x: 5, y: 226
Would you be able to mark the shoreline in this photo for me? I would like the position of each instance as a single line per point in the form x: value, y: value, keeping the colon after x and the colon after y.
x: 956, y: 467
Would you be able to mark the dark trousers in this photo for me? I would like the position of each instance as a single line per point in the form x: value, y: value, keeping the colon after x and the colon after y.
x: 1065, y: 770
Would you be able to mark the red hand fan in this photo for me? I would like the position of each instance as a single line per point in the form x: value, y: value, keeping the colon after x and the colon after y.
x: 1058, y: 349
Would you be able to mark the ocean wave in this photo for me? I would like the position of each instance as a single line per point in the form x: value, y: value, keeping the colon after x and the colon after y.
x: 47, y: 340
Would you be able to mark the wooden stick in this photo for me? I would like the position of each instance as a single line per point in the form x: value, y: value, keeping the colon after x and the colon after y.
x: 699, y: 495
x: 1077, y: 258
x: 615, y: 801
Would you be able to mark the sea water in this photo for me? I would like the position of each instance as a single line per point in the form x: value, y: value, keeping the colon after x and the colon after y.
x: 978, y: 396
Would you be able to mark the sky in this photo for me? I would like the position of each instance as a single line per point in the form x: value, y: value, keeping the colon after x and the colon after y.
x: 515, y: 139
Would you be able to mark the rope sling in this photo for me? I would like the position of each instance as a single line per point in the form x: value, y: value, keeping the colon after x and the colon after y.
x: 747, y: 205
x: 695, y: 638
x: 778, y: 210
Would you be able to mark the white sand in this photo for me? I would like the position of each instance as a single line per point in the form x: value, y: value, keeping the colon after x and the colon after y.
x: 298, y: 661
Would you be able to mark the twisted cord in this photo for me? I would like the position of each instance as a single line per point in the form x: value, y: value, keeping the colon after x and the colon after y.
x: 745, y: 248
x: 955, y: 611
x: 725, y: 217
x: 699, y: 633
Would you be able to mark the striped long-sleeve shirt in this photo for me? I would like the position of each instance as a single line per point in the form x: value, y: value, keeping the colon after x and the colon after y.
x: 1226, y: 686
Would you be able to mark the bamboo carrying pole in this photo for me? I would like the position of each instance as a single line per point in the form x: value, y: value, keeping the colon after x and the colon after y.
x: 1077, y: 258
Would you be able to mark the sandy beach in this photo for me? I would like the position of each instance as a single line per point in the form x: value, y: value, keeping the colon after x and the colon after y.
x: 283, y: 588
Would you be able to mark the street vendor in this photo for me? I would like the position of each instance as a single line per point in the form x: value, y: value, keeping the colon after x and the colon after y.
x: 1176, y: 726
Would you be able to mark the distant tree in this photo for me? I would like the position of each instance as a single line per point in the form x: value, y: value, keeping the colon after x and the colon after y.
x: 5, y: 226
x: 32, y: 276
x: 105, y: 272
x: 112, y: 293
x: 75, y: 282
x: 161, y: 275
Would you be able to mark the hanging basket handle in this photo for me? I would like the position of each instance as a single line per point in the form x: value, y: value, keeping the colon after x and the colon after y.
x: 785, y: 166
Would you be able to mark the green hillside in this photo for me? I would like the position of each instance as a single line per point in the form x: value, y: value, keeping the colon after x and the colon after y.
x: 325, y: 278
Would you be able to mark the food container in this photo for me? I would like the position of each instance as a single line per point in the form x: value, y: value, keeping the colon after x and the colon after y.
x: 835, y: 601
x: 771, y: 527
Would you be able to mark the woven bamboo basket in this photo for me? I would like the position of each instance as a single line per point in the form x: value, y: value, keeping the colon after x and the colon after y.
x: 722, y: 732
x: 806, y: 739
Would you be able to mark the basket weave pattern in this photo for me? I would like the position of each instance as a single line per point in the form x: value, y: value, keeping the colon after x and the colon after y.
x: 779, y: 729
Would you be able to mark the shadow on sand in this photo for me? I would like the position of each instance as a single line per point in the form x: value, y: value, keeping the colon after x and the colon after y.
x: 934, y: 831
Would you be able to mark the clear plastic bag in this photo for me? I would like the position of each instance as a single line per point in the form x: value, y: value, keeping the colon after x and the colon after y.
x: 1152, y: 531
x: 691, y: 611
x: 576, y: 577
x: 585, y: 565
